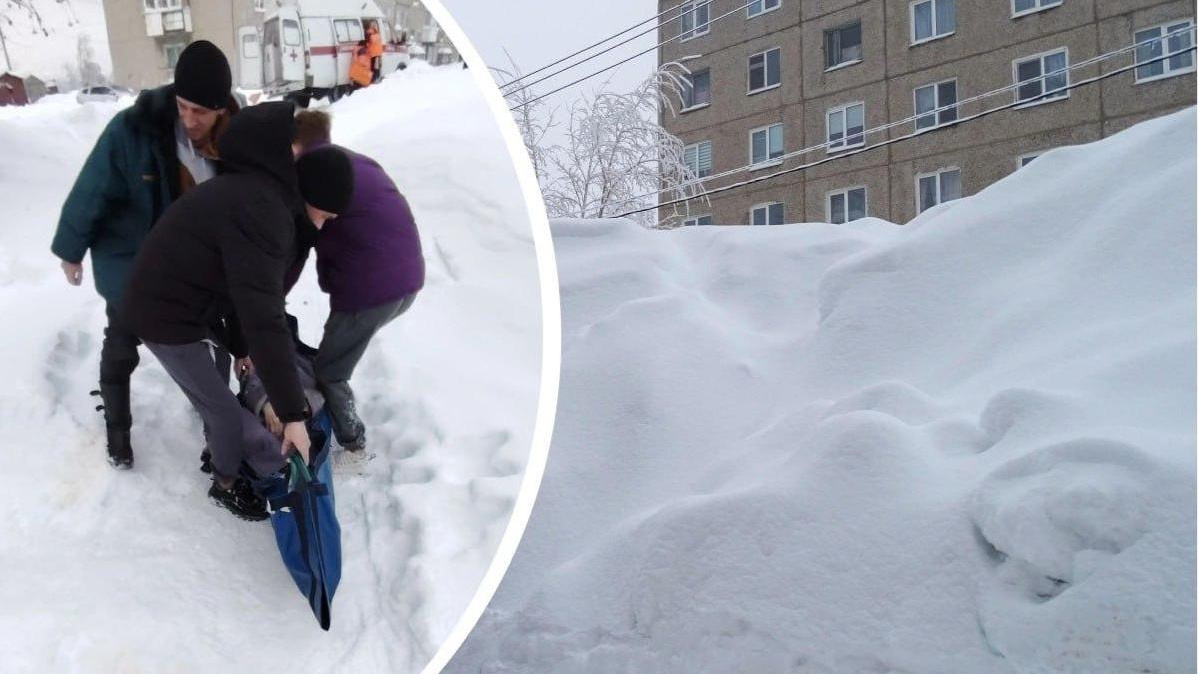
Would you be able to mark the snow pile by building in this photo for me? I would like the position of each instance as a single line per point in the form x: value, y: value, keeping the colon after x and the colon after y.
x: 110, y: 571
x: 962, y: 445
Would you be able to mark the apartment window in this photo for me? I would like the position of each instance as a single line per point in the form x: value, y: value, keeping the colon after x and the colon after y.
x: 156, y: 5
x: 698, y: 158
x: 766, y: 214
x: 1025, y: 159
x: 172, y: 54
x: 762, y: 6
x: 259, y: 5
x: 1037, y: 84
x: 842, y: 46
x: 932, y: 97
x: 846, y: 126
x: 765, y: 144
x: 846, y: 205
x: 1158, y: 41
x: 701, y: 221
x: 172, y: 21
x: 695, y: 19
x: 765, y: 70
x: 1021, y: 7
x: 937, y: 188
x: 697, y: 92
x: 931, y: 19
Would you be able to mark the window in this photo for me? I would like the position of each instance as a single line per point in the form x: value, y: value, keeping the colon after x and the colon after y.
x: 698, y: 93
x: 1022, y: 7
x: 698, y: 158
x: 762, y: 6
x: 695, y: 19
x: 172, y: 54
x: 932, y: 97
x: 765, y: 144
x: 931, y: 19
x: 342, y: 30
x: 1025, y: 159
x: 842, y: 46
x: 291, y: 34
x: 1178, y: 37
x: 846, y: 126
x: 937, y: 188
x: 1036, y: 83
x: 259, y: 5
x: 846, y: 205
x: 766, y: 214
x: 765, y: 70
x: 158, y: 5
x: 172, y: 21
x: 701, y: 221
x: 249, y: 46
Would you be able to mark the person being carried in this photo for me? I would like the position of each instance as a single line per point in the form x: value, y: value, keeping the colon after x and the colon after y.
x: 360, y: 74
x: 147, y: 156
x: 219, y: 256
x: 370, y: 263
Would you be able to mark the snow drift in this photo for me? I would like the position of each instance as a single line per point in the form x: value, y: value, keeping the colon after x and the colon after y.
x: 965, y: 445
x: 137, y: 572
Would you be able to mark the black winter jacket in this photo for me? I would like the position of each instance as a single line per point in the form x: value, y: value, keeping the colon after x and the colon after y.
x: 219, y: 254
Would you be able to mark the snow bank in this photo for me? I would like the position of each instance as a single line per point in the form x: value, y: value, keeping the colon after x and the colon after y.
x: 963, y: 445
x: 133, y: 572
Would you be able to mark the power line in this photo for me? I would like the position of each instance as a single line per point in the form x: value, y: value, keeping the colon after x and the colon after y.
x: 585, y: 49
x: 912, y: 118
x: 909, y: 136
x: 616, y: 65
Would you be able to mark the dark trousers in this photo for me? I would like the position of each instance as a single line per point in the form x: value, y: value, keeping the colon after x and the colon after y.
x: 118, y: 354
x: 234, y: 433
x: 344, y: 342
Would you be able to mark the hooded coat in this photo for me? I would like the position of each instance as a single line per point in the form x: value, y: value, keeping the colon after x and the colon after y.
x: 219, y: 254
x: 128, y: 180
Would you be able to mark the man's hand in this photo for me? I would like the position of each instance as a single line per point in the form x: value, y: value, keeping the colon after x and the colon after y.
x: 245, y: 366
x: 73, y: 271
x: 272, y: 420
x: 295, y: 436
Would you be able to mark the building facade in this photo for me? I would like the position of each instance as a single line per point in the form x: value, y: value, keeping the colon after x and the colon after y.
x: 425, y: 37
x: 786, y: 75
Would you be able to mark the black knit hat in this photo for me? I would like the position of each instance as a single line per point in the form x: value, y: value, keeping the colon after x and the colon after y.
x: 202, y: 75
x: 326, y: 179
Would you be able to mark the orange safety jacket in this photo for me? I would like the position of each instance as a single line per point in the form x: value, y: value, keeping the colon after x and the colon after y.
x: 359, y: 71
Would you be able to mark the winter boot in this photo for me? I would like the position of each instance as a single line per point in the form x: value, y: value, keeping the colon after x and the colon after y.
x: 355, y: 441
x: 117, y: 422
x: 240, y: 500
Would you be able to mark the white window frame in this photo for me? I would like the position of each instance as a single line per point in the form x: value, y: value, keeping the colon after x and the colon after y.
x: 844, y: 141
x: 767, y: 162
x: 765, y: 64
x: 1164, y: 50
x: 1063, y: 96
x: 845, y: 193
x: 842, y: 64
x: 694, y: 221
x: 1041, y: 6
x: 935, y: 35
x: 749, y: 14
x: 939, y: 196
x: 691, y: 84
x: 691, y: 8
x: 161, y: 5
x: 1029, y: 156
x: 936, y: 89
x: 697, y: 167
x: 166, y: 51
x: 766, y: 205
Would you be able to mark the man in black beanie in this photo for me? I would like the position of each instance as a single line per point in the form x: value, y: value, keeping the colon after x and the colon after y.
x: 147, y: 156
x: 212, y: 272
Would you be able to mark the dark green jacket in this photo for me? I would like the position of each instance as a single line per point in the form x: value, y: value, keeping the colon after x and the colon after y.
x: 128, y: 180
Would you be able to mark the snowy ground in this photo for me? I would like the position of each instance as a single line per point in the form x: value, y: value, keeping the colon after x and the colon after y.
x: 109, y: 571
x: 962, y: 446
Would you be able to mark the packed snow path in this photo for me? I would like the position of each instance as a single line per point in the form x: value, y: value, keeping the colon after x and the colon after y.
x: 110, y: 571
x: 961, y: 446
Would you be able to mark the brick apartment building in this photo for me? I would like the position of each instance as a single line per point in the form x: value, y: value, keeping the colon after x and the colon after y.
x: 782, y: 75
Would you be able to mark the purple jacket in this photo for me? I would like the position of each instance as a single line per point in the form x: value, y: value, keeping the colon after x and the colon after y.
x: 369, y: 255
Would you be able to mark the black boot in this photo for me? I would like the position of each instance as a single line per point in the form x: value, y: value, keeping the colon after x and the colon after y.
x: 239, y: 499
x: 117, y: 421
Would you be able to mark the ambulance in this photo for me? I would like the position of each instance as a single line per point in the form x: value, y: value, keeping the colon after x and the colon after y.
x: 306, y: 47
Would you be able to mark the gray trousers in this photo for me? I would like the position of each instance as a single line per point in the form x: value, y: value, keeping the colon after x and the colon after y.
x: 344, y: 342
x: 234, y: 433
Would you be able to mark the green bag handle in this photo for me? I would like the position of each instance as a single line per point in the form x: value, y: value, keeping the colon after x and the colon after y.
x: 299, y: 471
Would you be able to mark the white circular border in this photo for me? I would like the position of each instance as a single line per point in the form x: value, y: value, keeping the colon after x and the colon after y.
x: 551, y: 341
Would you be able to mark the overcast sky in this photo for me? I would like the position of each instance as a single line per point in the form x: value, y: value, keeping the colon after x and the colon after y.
x: 537, y: 32
x: 47, y: 57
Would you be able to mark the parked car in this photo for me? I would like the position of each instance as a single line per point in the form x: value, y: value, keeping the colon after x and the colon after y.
x: 99, y: 94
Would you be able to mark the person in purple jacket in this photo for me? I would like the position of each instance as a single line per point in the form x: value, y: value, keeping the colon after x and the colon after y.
x: 369, y: 262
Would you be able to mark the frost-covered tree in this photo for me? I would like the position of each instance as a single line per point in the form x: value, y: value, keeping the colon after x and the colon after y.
x: 28, y: 17
x: 616, y: 157
x: 533, y: 122
x: 90, y: 72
